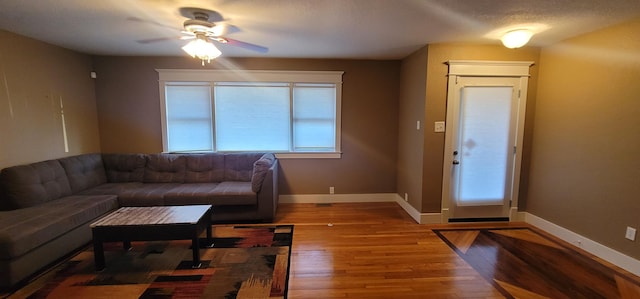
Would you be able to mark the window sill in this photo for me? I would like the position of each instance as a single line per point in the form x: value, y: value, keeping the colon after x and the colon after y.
x: 316, y: 155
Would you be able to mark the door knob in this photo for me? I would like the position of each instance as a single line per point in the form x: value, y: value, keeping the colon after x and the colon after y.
x: 456, y: 162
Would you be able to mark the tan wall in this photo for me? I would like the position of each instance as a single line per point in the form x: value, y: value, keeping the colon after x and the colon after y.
x: 129, y: 115
x: 585, y: 171
x: 413, y: 78
x: 436, y: 108
x: 34, y: 76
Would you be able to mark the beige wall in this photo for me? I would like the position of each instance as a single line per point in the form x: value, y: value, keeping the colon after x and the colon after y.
x: 585, y: 170
x: 413, y: 78
x: 436, y: 108
x: 129, y: 116
x: 34, y: 76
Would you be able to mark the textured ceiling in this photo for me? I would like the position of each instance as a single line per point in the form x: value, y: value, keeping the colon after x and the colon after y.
x: 369, y: 29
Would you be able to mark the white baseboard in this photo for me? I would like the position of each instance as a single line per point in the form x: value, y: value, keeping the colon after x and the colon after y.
x: 334, y: 198
x: 610, y: 255
x: 415, y: 214
x: 421, y: 218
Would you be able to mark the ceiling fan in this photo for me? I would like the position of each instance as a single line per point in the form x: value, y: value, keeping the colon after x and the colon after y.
x: 206, y: 27
x: 201, y: 24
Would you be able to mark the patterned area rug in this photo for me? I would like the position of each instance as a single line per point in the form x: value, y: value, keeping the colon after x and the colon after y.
x: 245, y: 262
x: 522, y: 263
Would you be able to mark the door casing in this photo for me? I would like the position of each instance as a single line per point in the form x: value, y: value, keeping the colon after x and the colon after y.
x: 498, y: 69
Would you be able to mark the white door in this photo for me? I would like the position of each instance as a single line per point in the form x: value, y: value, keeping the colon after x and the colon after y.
x: 485, y: 116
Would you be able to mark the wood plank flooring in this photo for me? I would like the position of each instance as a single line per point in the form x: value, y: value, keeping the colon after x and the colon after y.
x: 375, y: 250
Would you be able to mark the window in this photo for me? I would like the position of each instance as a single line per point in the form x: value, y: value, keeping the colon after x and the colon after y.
x: 295, y: 114
x: 188, y: 117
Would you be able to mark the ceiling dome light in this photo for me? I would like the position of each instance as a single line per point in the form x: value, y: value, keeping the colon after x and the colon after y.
x: 516, y: 38
x: 202, y: 49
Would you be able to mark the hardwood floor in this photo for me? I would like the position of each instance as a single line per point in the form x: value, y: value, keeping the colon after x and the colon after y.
x: 375, y: 250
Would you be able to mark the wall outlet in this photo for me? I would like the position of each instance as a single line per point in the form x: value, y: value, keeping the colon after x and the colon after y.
x: 438, y: 127
x: 406, y: 197
x: 631, y: 233
x: 331, y: 190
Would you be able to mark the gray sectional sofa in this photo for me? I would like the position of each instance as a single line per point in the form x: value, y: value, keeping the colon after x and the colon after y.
x: 46, y: 207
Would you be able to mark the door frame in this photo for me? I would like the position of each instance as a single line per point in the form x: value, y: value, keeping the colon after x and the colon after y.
x: 484, y: 68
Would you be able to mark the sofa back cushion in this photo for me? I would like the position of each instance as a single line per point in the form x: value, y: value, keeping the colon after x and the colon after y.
x: 124, y: 168
x: 84, y: 171
x: 30, y: 185
x: 239, y: 166
x: 204, y: 168
x: 165, y: 168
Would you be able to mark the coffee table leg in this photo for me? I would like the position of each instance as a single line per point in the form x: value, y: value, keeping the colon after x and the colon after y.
x: 98, y: 253
x: 195, y: 246
x: 209, y: 237
x: 208, y: 224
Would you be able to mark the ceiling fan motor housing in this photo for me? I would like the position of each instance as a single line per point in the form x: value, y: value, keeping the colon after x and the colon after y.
x: 198, y: 25
x: 203, y: 16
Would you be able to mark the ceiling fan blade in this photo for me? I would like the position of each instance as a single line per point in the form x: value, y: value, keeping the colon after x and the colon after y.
x: 221, y: 29
x: 248, y: 46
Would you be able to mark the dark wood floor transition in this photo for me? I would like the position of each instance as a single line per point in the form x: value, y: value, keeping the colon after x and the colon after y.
x: 522, y: 263
x: 375, y: 250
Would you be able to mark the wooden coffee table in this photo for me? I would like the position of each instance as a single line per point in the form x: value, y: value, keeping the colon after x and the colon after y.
x: 152, y: 224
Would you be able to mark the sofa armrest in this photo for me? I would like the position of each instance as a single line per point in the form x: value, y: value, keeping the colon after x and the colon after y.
x: 268, y: 194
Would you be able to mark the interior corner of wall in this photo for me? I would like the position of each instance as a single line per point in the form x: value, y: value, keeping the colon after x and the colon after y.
x: 445, y: 215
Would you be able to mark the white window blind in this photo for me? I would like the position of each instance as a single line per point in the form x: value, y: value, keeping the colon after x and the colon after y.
x: 314, y: 117
x: 188, y: 117
x: 252, y: 117
x: 484, y: 136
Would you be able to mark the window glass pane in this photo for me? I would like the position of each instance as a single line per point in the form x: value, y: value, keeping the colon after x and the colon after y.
x: 485, y: 149
x: 188, y: 111
x: 252, y: 117
x: 314, y: 117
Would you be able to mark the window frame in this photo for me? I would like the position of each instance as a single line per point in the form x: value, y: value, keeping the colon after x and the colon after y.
x: 291, y: 77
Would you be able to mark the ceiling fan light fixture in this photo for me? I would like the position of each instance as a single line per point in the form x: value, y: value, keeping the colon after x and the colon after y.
x: 202, y: 49
x: 516, y: 38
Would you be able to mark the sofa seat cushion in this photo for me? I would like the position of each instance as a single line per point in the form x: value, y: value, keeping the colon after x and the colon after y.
x: 222, y: 194
x: 111, y: 188
x: 145, y: 195
x: 25, y: 229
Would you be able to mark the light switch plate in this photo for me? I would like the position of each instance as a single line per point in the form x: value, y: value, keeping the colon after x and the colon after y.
x: 631, y: 233
x: 438, y: 127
